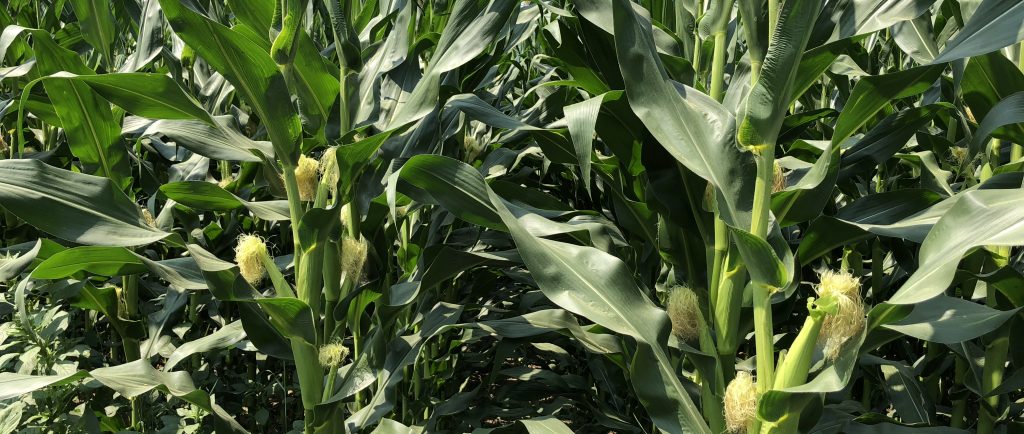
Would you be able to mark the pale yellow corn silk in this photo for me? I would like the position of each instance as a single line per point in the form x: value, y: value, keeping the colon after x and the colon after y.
x: 329, y: 168
x: 958, y: 155
x: 684, y: 311
x: 778, y: 178
x: 148, y: 217
x: 353, y: 257
x: 740, y: 402
x: 848, y: 321
x: 708, y: 202
x: 249, y: 253
x: 332, y: 354
x: 307, y: 177
x: 345, y: 217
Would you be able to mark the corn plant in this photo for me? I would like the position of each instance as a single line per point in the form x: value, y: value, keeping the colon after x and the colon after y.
x: 336, y: 216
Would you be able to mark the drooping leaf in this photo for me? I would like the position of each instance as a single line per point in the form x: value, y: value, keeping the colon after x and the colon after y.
x: 247, y: 66
x: 74, y: 206
x: 949, y: 320
x: 871, y: 94
x: 208, y: 196
x: 101, y: 260
x: 994, y: 25
x: 956, y: 233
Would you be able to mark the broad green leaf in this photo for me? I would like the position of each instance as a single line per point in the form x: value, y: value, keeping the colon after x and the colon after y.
x: 465, y: 196
x: 208, y: 196
x: 816, y: 61
x: 949, y: 320
x: 761, y: 260
x: 257, y: 15
x: 248, y: 67
x: 915, y: 38
x: 769, y: 98
x: 16, y: 262
x: 97, y: 22
x: 221, y: 141
x: 201, y: 195
x: 105, y: 300
x: 545, y: 321
x: 14, y: 385
x: 956, y: 233
x: 87, y: 120
x: 392, y: 54
x: 582, y: 120
x: 1009, y: 111
x: 101, y: 260
x: 314, y: 81
x: 180, y: 272
x: 853, y: 221
x: 867, y: 16
x: 691, y: 126
x: 871, y: 94
x: 149, y: 40
x: 154, y: 96
x: 931, y: 175
x: 588, y: 282
x: 908, y: 396
x: 89, y: 123
x: 994, y: 25
x: 886, y: 139
x: 600, y: 13
x: 77, y: 207
x: 987, y: 80
x: 804, y: 199
x: 138, y: 377
x: 467, y: 34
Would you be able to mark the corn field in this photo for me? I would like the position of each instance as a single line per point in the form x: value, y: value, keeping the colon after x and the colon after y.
x: 540, y: 216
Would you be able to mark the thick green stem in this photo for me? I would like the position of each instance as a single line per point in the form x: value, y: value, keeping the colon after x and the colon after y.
x: 995, y: 357
x: 307, y: 363
x: 132, y: 351
x: 718, y: 65
x: 763, y: 338
x: 957, y: 416
x: 727, y: 271
x: 295, y: 209
x: 344, y: 116
x: 711, y: 394
x: 332, y: 288
x: 763, y: 190
x: 130, y: 294
x: 992, y: 377
x: 696, y: 39
x: 763, y: 324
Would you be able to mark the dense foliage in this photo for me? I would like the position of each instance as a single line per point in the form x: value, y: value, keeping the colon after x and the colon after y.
x: 762, y: 216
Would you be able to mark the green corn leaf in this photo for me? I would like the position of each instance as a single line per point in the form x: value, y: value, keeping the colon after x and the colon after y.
x: 245, y: 65
x: 994, y: 25
x: 74, y: 206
